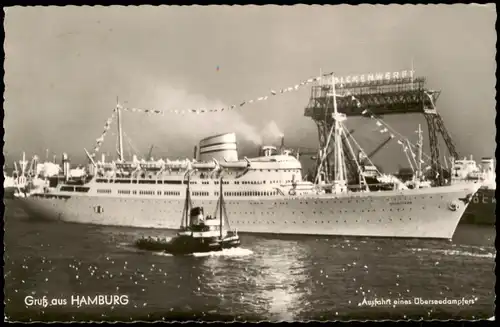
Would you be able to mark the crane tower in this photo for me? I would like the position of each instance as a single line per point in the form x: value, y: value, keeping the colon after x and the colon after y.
x: 379, y: 94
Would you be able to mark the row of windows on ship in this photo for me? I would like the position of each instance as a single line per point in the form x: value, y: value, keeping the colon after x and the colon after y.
x: 143, y: 174
x: 173, y: 182
x: 194, y: 193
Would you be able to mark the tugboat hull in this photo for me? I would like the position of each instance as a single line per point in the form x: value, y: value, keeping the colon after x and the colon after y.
x: 185, y: 245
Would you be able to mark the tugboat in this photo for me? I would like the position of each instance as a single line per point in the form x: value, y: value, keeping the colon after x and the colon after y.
x: 197, y: 233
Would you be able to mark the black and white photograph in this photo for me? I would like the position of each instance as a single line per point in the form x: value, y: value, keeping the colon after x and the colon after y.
x: 249, y: 163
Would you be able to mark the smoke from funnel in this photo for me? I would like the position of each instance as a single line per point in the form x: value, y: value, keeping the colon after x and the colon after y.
x: 248, y: 132
x: 273, y: 130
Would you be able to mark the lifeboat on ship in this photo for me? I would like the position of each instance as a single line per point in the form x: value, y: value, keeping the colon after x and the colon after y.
x: 236, y: 164
x: 106, y: 165
x: 177, y: 165
x: 152, y: 165
x: 127, y: 166
x: 204, y: 165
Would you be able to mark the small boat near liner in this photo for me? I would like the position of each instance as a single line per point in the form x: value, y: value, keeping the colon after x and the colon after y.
x: 197, y: 233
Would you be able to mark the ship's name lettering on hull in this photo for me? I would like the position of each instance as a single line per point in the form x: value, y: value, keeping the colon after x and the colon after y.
x: 483, y: 199
x: 400, y: 203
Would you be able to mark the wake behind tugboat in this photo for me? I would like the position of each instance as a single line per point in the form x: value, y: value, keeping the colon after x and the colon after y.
x: 196, y: 234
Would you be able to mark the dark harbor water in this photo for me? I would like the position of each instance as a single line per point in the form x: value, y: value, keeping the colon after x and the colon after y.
x: 292, y: 278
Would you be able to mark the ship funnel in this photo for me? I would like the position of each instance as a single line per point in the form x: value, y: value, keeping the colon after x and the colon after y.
x: 282, y: 142
x: 35, y: 166
x: 103, y: 158
x: 91, y: 169
x: 66, y: 166
x: 219, y: 147
x: 195, y: 153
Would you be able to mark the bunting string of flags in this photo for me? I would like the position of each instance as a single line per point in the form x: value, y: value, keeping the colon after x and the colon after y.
x: 402, y: 140
x: 100, y: 139
x: 384, y: 127
x: 271, y: 93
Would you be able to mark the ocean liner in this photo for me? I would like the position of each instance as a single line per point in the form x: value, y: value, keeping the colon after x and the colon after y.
x: 266, y: 194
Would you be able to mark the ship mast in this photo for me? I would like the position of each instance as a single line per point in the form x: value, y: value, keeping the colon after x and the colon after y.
x: 186, y: 204
x: 23, y: 164
x: 419, y: 153
x: 221, y: 199
x: 120, y: 136
x: 339, y: 178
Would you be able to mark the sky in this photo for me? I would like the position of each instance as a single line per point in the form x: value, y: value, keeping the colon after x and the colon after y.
x: 65, y: 67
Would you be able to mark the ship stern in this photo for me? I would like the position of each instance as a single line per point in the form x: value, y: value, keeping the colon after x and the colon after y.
x: 37, y: 207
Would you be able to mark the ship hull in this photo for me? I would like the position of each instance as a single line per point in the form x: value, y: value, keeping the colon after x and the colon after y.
x: 185, y: 245
x: 9, y: 192
x: 424, y: 213
x: 481, y: 210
